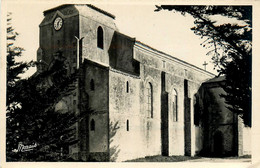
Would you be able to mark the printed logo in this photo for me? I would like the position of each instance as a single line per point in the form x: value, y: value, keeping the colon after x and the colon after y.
x: 24, y: 148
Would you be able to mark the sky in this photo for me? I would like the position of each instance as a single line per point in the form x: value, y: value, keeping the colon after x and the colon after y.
x: 165, y: 30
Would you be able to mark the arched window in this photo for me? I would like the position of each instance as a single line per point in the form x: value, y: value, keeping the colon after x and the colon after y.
x: 92, y: 84
x: 149, y: 99
x: 127, y: 87
x: 175, y: 105
x: 92, y: 125
x: 127, y: 125
x: 100, y: 38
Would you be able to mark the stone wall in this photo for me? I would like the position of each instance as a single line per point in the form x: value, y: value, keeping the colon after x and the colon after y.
x: 199, y: 139
x: 174, y: 86
x: 116, y: 85
x: 96, y: 87
x: 175, y: 72
x: 89, y: 21
x: 126, y: 122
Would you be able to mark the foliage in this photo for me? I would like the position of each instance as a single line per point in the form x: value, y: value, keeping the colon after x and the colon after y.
x: 36, y: 121
x: 13, y: 68
x: 113, y: 149
x: 230, y: 46
x: 31, y: 117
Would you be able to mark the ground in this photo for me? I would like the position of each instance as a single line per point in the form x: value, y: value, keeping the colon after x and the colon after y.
x: 190, y: 159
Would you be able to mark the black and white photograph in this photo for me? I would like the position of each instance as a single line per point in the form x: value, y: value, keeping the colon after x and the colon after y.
x: 127, y: 82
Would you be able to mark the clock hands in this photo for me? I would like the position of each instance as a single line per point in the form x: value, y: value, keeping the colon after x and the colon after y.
x: 57, y: 23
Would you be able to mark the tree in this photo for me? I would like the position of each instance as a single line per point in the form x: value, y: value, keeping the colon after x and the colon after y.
x: 31, y: 118
x: 37, y: 122
x: 230, y: 48
x: 13, y: 68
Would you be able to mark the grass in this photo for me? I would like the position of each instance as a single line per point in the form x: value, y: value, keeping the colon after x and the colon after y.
x: 240, y: 157
x: 159, y: 158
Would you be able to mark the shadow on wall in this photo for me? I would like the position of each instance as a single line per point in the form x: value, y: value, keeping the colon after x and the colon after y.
x: 112, y: 154
x: 121, y: 54
x: 113, y: 149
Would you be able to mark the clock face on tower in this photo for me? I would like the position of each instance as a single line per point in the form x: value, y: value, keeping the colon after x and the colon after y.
x: 58, y: 23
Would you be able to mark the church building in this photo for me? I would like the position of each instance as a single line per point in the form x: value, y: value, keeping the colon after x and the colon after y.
x: 143, y: 100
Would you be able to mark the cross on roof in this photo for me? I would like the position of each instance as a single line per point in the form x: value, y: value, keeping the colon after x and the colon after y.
x: 205, y: 65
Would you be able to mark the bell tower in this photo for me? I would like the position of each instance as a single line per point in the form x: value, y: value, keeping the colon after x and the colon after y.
x: 97, y: 28
x: 77, y: 34
x: 75, y: 30
x: 57, y: 36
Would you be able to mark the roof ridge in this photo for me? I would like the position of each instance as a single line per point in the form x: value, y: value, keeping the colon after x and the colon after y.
x: 89, y: 5
x: 156, y: 50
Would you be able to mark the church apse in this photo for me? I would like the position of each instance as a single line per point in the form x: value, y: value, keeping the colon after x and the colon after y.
x: 222, y: 129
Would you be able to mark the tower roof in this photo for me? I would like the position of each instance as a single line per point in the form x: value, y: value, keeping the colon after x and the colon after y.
x: 88, y: 5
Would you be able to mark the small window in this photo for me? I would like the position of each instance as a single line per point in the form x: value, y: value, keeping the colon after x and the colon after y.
x: 149, y: 99
x: 127, y: 87
x: 164, y: 64
x: 100, y: 38
x: 92, y: 84
x: 92, y: 125
x: 127, y: 125
x: 175, y: 106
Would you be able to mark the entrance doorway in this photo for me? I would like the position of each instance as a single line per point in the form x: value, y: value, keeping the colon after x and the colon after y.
x: 218, y: 144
